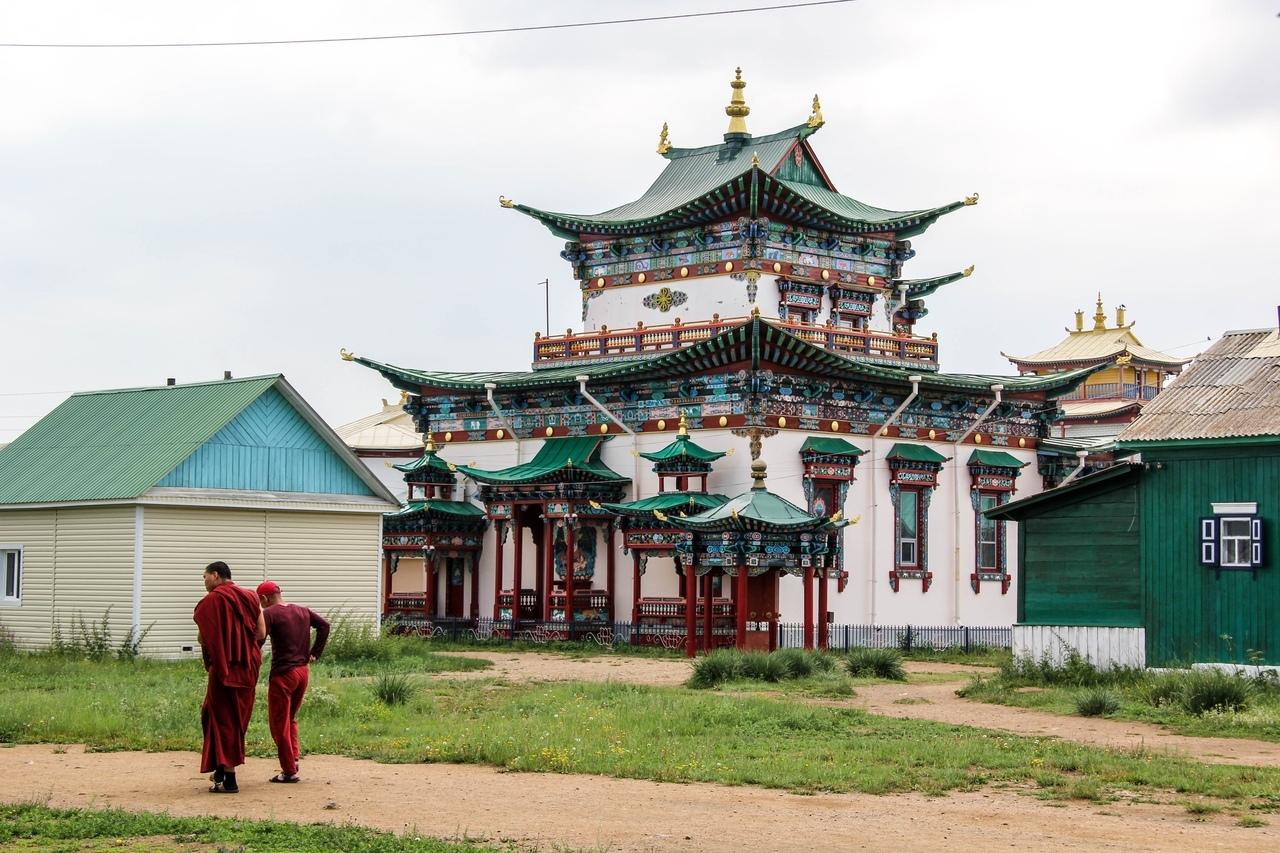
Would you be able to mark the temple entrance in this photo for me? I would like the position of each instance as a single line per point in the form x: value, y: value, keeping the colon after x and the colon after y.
x: 762, y: 612
x: 454, y: 586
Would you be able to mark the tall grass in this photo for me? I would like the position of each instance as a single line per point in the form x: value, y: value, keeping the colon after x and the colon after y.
x: 876, y: 663
x: 724, y: 665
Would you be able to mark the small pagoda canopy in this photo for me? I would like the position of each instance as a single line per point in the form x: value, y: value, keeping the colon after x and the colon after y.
x: 994, y: 459
x: 683, y: 455
x: 776, y: 175
x: 445, y: 511
x: 917, y: 453
x: 658, y: 507
x: 758, y: 511
x: 560, y: 460
x: 428, y: 475
x: 821, y: 448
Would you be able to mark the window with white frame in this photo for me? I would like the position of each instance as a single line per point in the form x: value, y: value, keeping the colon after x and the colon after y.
x: 1232, y: 537
x: 11, y: 564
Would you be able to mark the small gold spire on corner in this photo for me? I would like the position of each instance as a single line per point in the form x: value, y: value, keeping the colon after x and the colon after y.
x: 404, y: 396
x: 635, y: 453
x: 505, y: 202
x: 594, y: 504
x: 737, y: 111
x: 839, y: 515
x: 755, y: 160
x: 452, y: 467
x: 1099, y: 316
x: 816, y: 120
x: 658, y: 515
x: 664, y: 144
x: 969, y: 271
x: 734, y: 513
x: 570, y: 465
x: 971, y: 200
x: 855, y: 519
x: 684, y: 426
x: 346, y: 356
x: 729, y: 452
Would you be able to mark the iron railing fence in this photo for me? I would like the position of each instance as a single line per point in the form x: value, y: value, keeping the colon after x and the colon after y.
x: 790, y: 635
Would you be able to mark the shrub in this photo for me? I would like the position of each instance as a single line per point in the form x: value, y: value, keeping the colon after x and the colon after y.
x: 391, y: 688
x: 1096, y: 701
x: 714, y: 669
x: 731, y: 665
x: 352, y: 638
x: 878, y: 663
x: 1161, y: 690
x: 1214, y: 690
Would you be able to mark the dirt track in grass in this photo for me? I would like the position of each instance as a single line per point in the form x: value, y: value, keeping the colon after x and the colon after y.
x: 593, y: 813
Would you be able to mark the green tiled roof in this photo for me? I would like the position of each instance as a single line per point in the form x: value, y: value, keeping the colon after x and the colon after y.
x: 915, y: 453
x: 682, y: 447
x: 995, y: 459
x: 668, y: 502
x: 830, y: 446
x: 702, y: 184
x: 461, y: 509
x: 758, y: 509
x: 756, y: 342
x: 430, y: 460
x: 107, y: 445
x: 575, y: 459
x: 919, y: 287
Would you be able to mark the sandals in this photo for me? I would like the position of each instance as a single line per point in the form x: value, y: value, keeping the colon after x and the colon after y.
x: 216, y: 776
x: 222, y: 788
x: 282, y: 777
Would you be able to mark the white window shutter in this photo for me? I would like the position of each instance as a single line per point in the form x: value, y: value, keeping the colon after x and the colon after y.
x: 1209, y: 541
x: 1256, y: 535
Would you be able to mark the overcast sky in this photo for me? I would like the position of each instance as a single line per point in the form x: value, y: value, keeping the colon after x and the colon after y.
x: 180, y: 212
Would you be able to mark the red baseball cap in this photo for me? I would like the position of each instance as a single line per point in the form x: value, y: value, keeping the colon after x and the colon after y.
x: 268, y: 588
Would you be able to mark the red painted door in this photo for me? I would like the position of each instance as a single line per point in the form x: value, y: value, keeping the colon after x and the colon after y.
x: 453, y: 596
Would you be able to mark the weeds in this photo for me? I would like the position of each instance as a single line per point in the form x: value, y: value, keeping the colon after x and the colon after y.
x: 94, y: 640
x: 725, y: 665
x: 393, y: 688
x: 1097, y: 702
x: 876, y: 663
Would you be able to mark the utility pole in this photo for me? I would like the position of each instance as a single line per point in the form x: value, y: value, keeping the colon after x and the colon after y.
x: 546, y: 283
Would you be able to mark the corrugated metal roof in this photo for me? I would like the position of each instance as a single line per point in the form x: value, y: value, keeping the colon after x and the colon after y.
x: 1228, y: 392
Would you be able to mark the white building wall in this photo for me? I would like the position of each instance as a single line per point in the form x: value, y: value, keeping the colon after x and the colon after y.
x: 35, y: 531
x: 93, y: 569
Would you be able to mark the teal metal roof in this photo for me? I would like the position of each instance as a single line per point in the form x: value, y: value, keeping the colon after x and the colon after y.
x: 671, y: 503
x: 756, y: 341
x: 575, y: 459
x: 995, y: 459
x: 915, y: 453
x: 702, y: 184
x: 919, y: 287
x: 830, y: 446
x: 115, y: 445
x: 683, y: 448
x: 758, y: 509
x: 461, y: 509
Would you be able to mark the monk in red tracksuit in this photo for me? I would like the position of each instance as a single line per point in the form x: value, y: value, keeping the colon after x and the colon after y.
x: 289, y: 626
x: 230, y: 624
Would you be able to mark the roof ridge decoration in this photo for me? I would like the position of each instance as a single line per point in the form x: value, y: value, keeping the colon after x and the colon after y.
x: 664, y: 144
x: 737, y: 111
x: 816, y: 120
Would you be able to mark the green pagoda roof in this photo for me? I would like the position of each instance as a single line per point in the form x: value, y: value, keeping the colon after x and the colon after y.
x: 915, y: 453
x: 751, y: 176
x: 995, y: 459
x: 830, y: 446
x: 574, y: 459
x: 668, y: 503
x: 429, y: 460
x: 461, y: 509
x: 683, y: 448
x: 921, y: 287
x: 758, y: 510
x: 756, y: 342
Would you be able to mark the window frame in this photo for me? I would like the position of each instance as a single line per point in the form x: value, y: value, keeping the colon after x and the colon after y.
x: 1213, y: 541
x: 14, y: 600
x: 996, y: 528
x: 898, y: 539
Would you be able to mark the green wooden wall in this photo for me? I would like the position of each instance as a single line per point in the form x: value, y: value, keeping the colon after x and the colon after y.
x: 1188, y: 610
x: 1083, y: 564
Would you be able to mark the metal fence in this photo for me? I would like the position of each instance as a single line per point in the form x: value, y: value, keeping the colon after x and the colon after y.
x: 608, y: 634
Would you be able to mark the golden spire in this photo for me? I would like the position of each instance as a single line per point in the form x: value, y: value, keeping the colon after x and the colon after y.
x: 816, y: 120
x: 684, y: 426
x: 737, y: 111
x: 430, y: 444
x: 1099, y: 316
x: 664, y: 145
x: 755, y: 160
x: 755, y: 311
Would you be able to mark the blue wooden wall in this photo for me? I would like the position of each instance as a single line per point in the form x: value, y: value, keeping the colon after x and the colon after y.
x: 267, y: 447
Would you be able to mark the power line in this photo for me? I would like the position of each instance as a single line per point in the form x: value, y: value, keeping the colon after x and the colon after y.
x: 456, y: 33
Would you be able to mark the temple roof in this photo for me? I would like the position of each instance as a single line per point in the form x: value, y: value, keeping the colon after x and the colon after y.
x: 995, y: 459
x: 1077, y: 409
x: 915, y: 453
x: 461, y: 509
x: 668, y: 502
x: 756, y: 342
x: 752, y: 177
x: 684, y: 448
x: 760, y: 510
x: 390, y: 430
x: 429, y: 460
x: 575, y: 459
x: 1097, y: 345
x: 825, y: 445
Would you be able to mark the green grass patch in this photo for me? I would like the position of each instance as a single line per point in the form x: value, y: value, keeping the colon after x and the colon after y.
x: 38, y: 828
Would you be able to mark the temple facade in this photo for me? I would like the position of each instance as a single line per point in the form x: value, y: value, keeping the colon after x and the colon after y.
x: 741, y: 313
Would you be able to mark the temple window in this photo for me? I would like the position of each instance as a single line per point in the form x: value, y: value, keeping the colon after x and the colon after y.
x: 11, y: 562
x: 989, y: 531
x: 913, y: 471
x: 829, y: 470
x: 909, y: 525
x: 994, y: 476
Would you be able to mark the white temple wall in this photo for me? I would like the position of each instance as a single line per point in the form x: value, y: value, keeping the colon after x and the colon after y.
x: 620, y: 307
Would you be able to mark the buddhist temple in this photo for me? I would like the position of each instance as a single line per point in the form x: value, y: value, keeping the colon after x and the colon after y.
x: 741, y: 314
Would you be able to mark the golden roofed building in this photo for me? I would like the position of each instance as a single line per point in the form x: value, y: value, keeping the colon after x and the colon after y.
x: 1110, y: 398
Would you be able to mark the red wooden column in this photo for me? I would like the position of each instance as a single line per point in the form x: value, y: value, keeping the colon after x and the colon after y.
x: 609, y: 570
x: 429, y: 563
x: 708, y: 618
x: 822, y: 610
x: 690, y: 610
x: 548, y: 563
x: 635, y: 588
x: 808, y: 607
x: 740, y: 607
x: 517, y: 569
x: 497, y: 568
x: 570, y: 554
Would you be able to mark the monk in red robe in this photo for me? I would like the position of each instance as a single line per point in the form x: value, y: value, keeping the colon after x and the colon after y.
x: 230, y: 625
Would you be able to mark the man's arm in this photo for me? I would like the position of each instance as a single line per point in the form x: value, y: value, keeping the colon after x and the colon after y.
x: 322, y: 633
x: 260, y: 633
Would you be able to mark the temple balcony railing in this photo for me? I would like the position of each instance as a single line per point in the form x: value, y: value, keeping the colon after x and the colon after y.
x: 1112, y: 391
x: 615, y: 345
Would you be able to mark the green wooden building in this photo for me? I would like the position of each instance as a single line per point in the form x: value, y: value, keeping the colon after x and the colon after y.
x: 1166, y: 558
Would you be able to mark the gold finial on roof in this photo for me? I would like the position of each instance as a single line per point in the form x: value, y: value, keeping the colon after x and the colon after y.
x: 729, y: 452
x: 505, y: 202
x: 855, y: 519
x: 737, y: 111
x: 684, y: 426
x: 755, y: 160
x: 758, y: 474
x: 429, y: 445
x: 664, y: 144
x: 594, y: 504
x: 404, y: 396
x: 969, y: 271
x: 839, y: 515
x: 1079, y: 320
x: 755, y: 311
x: 346, y: 356
x: 570, y: 465
x: 1119, y: 316
x: 452, y: 467
x: 1099, y: 316
x: 971, y: 200
x: 816, y: 120
x: 658, y: 515
x: 734, y: 513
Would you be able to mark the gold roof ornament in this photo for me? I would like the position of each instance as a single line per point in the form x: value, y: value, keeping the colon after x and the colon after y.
x: 658, y: 515
x: 452, y: 467
x: 1079, y: 320
x: 755, y: 311
x: 971, y: 200
x: 429, y: 445
x: 816, y: 120
x: 855, y: 519
x: 734, y: 513
x: 755, y: 160
x: 737, y: 111
x: 684, y: 426
x: 1124, y: 359
x: 839, y: 515
x: 664, y: 144
x: 594, y: 504
x: 404, y: 396
x: 346, y: 356
x: 1099, y: 316
x: 506, y: 202
x: 969, y: 271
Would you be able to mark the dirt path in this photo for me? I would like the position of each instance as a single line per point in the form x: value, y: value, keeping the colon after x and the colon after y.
x: 551, y: 812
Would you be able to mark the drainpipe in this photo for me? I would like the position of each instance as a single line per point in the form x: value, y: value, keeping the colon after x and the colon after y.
x: 1080, y: 455
x: 955, y: 525
x: 489, y: 388
x: 635, y: 440
x: 915, y: 391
